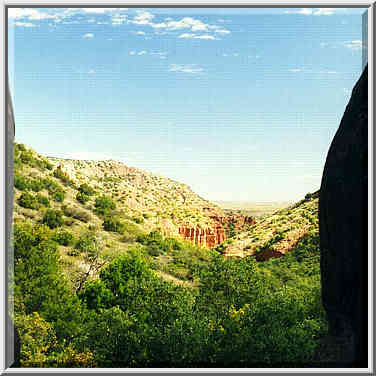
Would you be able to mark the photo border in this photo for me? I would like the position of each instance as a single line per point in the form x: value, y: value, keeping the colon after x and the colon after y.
x: 4, y: 351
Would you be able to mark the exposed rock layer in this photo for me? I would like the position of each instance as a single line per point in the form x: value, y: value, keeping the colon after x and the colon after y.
x: 343, y: 227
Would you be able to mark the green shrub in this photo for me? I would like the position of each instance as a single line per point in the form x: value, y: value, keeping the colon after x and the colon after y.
x: 137, y: 219
x: 27, y: 200
x: 87, y: 242
x: 39, y: 284
x: 113, y: 224
x: 104, y: 205
x: 43, y: 200
x: 86, y: 189
x: 58, y: 196
x: 76, y: 213
x: 63, y: 176
x: 53, y: 218
x: 83, y: 198
x: 63, y: 237
x: 36, y: 184
x: 21, y: 182
x: 54, y: 189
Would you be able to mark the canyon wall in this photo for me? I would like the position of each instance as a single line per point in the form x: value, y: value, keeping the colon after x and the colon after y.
x: 343, y: 213
x: 216, y: 234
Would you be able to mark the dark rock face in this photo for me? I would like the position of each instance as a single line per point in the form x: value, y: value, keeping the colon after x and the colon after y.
x: 343, y: 211
x: 13, y: 340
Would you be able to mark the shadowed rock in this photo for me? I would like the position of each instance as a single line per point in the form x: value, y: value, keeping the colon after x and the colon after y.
x: 13, y: 340
x: 343, y: 228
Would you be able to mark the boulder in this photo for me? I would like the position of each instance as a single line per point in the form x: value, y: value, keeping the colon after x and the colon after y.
x: 343, y: 212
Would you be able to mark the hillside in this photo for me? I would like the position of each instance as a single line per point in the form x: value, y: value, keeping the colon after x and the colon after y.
x: 276, y: 234
x: 114, y: 206
x: 106, y: 277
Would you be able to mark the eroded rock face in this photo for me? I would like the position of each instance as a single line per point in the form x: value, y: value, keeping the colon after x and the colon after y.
x: 209, y: 237
x: 343, y: 212
x: 216, y: 234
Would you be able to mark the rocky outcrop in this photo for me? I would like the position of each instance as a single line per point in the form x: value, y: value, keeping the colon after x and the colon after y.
x: 343, y: 228
x: 206, y: 237
x: 238, y: 220
x: 268, y: 254
x: 216, y: 234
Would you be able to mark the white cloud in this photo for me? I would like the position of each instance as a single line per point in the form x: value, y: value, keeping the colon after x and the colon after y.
x: 24, y: 24
x: 119, y: 19
x: 132, y: 53
x: 140, y: 32
x: 142, y: 52
x: 312, y: 11
x: 186, y: 68
x: 161, y: 55
x: 99, y: 10
x: 28, y: 13
x: 323, y: 12
x: 142, y: 18
x: 294, y: 70
x: 88, y: 35
x: 193, y: 24
x: 305, y: 11
x: 354, y: 44
x: 196, y: 36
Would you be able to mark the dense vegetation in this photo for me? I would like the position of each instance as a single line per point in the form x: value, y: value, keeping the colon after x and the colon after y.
x: 160, y: 301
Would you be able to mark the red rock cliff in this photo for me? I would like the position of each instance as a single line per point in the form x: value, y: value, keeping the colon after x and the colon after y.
x: 215, y: 235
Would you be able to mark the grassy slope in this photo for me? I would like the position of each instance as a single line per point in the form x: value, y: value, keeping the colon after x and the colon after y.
x: 144, y: 202
x: 293, y: 229
x: 279, y: 232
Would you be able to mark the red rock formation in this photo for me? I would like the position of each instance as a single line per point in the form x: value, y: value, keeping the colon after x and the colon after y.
x: 216, y: 234
x: 209, y: 237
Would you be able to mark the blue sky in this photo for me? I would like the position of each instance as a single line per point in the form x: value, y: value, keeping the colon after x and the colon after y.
x: 240, y: 104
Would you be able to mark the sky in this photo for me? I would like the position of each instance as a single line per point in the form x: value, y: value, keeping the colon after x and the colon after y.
x: 240, y: 104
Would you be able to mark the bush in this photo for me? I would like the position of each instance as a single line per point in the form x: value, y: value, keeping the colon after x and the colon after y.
x: 86, y: 189
x: 63, y: 238
x: 104, y: 205
x: 88, y: 242
x: 113, y: 224
x: 39, y: 284
x: 54, y: 189
x: 43, y: 200
x: 83, y: 198
x: 139, y: 220
x: 76, y: 213
x: 36, y: 184
x: 53, y: 218
x: 21, y: 182
x: 58, y: 196
x: 63, y: 176
x: 37, y: 337
x: 27, y: 200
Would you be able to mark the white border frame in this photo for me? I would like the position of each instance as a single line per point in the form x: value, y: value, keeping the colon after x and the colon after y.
x: 209, y: 3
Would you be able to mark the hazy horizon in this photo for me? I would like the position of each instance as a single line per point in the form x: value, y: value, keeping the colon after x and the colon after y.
x: 240, y: 107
